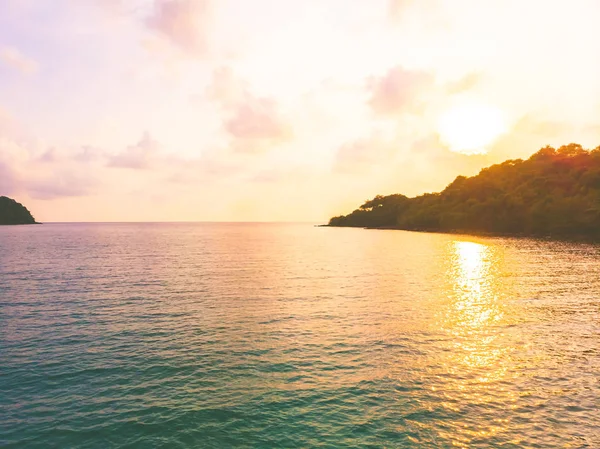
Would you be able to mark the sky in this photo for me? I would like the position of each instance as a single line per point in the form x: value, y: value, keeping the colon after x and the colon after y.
x: 280, y: 110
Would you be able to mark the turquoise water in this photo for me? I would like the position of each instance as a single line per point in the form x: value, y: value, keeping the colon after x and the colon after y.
x: 266, y: 335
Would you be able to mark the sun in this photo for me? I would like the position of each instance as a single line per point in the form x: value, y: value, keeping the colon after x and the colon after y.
x: 471, y: 128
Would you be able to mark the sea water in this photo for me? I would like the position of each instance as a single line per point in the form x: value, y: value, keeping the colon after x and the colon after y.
x: 286, y: 335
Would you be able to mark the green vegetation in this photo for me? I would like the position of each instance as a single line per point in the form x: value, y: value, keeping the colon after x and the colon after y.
x: 553, y: 193
x: 13, y: 213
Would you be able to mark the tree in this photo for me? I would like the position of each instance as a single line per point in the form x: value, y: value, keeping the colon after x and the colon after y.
x: 554, y: 192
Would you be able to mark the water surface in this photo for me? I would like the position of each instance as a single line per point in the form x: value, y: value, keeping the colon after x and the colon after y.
x: 270, y: 335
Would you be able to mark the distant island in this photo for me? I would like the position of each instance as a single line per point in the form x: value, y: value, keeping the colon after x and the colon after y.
x: 13, y: 213
x: 554, y: 193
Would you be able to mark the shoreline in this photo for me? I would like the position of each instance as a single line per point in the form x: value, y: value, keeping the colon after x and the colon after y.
x: 20, y: 224
x: 547, y: 238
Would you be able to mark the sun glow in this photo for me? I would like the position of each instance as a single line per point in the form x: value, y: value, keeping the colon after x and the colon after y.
x: 471, y: 128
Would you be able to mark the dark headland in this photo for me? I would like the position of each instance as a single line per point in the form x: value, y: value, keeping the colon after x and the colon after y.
x: 555, y: 193
x: 13, y: 213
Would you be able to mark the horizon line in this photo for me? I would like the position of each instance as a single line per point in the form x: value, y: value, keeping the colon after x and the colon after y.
x: 178, y: 222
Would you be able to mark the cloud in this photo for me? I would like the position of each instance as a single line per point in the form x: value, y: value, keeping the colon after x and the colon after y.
x: 257, y: 119
x: 59, y: 185
x: 42, y: 178
x: 85, y: 154
x: 46, y: 176
x: 14, y: 59
x: 138, y: 156
x: 182, y: 22
x: 88, y: 154
x: 361, y: 155
x: 252, y: 122
x: 398, y: 91
x: 48, y: 156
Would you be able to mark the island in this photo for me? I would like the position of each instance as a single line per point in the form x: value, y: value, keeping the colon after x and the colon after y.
x: 554, y: 193
x: 14, y: 213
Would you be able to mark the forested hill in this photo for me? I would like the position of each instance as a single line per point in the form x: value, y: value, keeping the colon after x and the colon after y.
x: 553, y: 193
x: 12, y: 213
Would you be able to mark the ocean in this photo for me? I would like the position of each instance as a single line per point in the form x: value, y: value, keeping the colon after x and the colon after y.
x: 254, y: 335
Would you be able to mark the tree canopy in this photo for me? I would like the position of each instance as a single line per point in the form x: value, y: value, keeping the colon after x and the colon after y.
x: 12, y: 213
x: 556, y: 192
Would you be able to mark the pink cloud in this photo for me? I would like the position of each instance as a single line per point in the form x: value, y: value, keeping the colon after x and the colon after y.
x: 257, y: 122
x: 182, y: 22
x: 138, y: 156
x: 14, y: 59
x: 398, y: 91
x: 254, y: 123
